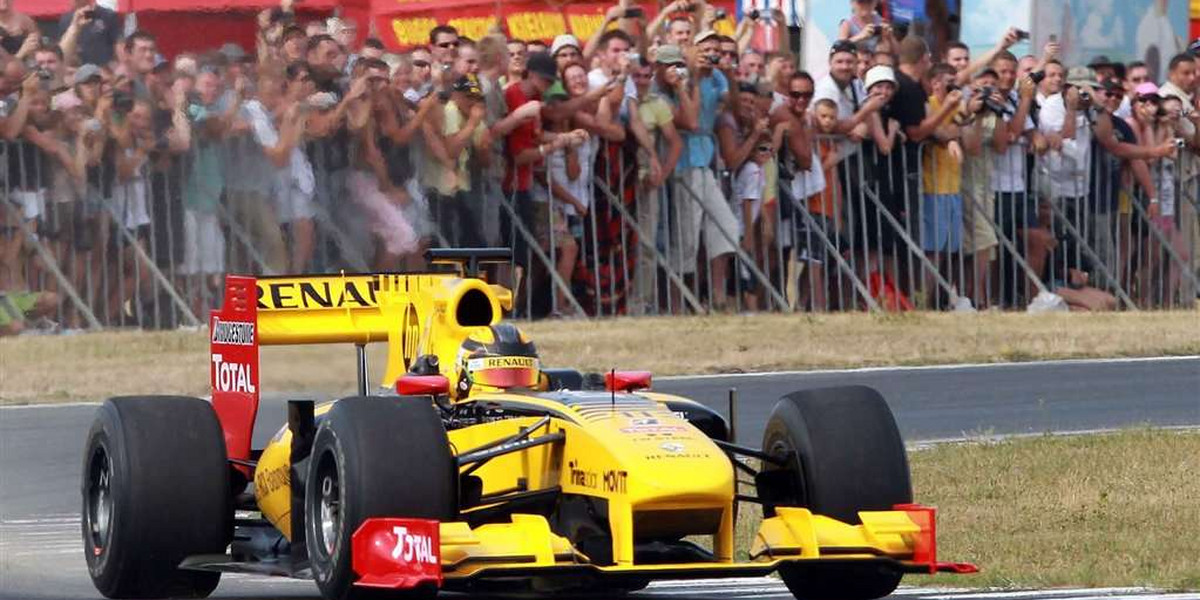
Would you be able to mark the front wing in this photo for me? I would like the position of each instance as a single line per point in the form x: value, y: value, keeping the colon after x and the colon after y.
x: 405, y: 553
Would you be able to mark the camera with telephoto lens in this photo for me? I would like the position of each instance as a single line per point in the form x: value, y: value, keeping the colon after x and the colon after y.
x: 122, y: 102
x: 990, y: 103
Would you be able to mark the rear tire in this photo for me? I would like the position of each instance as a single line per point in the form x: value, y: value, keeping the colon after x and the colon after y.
x: 843, y: 454
x: 373, y: 457
x: 155, y: 491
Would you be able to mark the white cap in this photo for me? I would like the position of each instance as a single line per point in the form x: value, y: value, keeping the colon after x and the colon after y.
x: 563, y: 41
x: 878, y: 73
x: 704, y: 35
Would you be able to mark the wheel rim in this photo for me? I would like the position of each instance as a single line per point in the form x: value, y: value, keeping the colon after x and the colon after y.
x: 329, y: 513
x: 99, y: 501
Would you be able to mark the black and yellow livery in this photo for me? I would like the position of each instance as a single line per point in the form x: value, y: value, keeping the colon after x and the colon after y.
x: 535, y: 479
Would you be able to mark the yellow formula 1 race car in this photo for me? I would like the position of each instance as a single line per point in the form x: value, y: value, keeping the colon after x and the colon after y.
x: 476, y: 469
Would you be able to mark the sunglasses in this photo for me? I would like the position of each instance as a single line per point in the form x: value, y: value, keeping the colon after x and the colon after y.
x: 1112, y: 94
x: 843, y: 46
x: 448, y: 45
x: 1149, y: 99
x: 421, y: 63
x: 764, y: 149
x: 799, y: 95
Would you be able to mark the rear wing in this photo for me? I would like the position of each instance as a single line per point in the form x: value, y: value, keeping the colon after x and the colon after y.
x: 415, y: 315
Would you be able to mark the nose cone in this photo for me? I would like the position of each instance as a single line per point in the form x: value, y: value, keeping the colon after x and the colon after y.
x: 671, y: 462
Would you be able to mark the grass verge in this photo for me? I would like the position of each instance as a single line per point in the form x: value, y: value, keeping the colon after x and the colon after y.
x: 1088, y: 511
x: 94, y: 366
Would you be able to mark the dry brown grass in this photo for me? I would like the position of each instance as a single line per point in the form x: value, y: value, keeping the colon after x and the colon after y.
x: 1105, y: 510
x: 91, y: 367
x: 1090, y: 511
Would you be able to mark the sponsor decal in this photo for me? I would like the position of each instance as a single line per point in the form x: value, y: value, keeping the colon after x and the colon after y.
x: 639, y: 422
x: 582, y: 478
x: 411, y: 334
x: 502, y: 362
x: 614, y: 481
x: 673, y: 447
x: 673, y: 455
x: 271, y: 480
x: 413, y: 548
x: 235, y: 333
x: 397, y: 554
x: 645, y: 430
x: 232, y: 376
x: 303, y: 295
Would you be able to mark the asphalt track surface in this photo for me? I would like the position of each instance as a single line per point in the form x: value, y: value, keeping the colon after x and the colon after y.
x: 41, y: 453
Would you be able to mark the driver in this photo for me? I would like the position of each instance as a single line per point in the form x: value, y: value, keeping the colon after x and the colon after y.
x: 498, y: 357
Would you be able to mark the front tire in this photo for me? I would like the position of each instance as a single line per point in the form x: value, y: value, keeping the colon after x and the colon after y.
x: 842, y: 454
x: 373, y: 457
x: 155, y: 491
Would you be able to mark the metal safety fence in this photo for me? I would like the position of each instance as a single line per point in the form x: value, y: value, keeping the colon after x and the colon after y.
x: 142, y: 237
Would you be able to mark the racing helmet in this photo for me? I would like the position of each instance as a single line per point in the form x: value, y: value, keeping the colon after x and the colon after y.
x: 499, y: 356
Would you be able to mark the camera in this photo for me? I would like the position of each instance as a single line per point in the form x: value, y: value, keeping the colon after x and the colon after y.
x: 720, y: 14
x: 1180, y: 143
x: 1022, y: 34
x: 754, y: 15
x: 712, y: 60
x: 682, y: 72
x: 89, y: 13
x: 634, y: 13
x: 122, y: 102
x: 1037, y: 76
x: 990, y: 104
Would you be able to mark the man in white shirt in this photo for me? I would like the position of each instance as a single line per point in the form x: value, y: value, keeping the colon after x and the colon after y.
x: 1016, y: 209
x: 845, y: 89
x: 1066, y: 130
x: 613, y: 53
x: 1066, y: 161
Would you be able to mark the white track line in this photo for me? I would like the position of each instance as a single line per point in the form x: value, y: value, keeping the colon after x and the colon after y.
x: 985, y: 438
x: 1017, y: 594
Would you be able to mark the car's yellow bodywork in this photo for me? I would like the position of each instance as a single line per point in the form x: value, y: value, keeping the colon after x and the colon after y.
x: 655, y: 474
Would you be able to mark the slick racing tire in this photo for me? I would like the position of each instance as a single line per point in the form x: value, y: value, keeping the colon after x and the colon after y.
x: 373, y: 457
x: 155, y: 491
x: 841, y: 453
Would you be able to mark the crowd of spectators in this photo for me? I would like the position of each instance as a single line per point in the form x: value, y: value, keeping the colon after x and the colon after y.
x: 727, y: 162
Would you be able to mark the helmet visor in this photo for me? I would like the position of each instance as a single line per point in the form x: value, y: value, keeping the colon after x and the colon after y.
x: 504, y: 371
